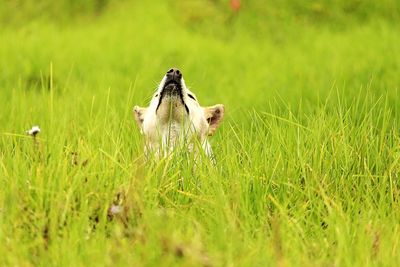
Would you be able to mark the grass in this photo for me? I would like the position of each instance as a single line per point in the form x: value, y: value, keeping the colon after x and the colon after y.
x: 308, y: 155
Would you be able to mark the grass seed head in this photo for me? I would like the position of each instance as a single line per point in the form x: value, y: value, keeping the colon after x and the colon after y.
x: 33, y: 131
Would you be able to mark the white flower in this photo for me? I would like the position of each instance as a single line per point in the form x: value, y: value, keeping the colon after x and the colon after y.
x: 34, y: 131
x: 115, y: 209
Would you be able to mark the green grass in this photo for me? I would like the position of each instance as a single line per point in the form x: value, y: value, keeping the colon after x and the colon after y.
x: 308, y: 155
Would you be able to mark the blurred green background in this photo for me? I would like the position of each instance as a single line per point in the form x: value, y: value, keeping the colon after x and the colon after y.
x: 252, y: 11
x: 294, y: 48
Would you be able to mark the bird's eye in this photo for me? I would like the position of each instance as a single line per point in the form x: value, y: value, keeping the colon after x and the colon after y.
x: 192, y: 97
x: 156, y: 95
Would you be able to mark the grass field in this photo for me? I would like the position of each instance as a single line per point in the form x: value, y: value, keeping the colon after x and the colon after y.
x: 308, y: 157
